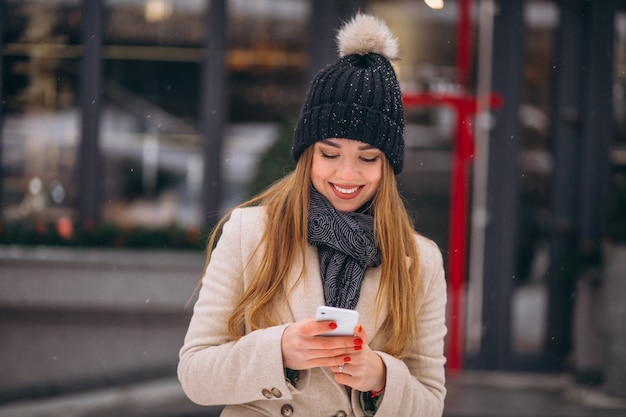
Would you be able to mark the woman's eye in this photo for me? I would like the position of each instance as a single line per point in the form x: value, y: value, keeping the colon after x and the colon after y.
x: 370, y: 158
x: 328, y: 155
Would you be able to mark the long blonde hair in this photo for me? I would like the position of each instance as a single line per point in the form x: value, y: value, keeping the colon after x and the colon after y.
x: 287, y: 205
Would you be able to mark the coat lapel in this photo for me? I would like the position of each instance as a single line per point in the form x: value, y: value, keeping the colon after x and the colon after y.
x: 307, y: 292
x: 367, y: 303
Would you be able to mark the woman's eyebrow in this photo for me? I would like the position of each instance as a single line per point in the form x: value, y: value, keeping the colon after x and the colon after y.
x: 330, y: 143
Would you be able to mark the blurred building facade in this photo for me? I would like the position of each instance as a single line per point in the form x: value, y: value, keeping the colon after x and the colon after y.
x: 155, y: 113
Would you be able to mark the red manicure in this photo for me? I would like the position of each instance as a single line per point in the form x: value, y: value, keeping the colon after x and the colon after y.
x: 358, y: 341
x: 346, y: 359
x: 333, y: 325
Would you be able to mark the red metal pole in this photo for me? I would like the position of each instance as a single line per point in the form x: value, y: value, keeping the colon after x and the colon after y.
x: 459, y: 196
x: 457, y: 258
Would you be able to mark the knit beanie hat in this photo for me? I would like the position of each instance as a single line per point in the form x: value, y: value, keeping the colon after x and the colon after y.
x: 358, y: 97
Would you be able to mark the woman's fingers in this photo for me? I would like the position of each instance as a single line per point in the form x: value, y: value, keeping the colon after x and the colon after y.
x: 304, y: 348
x: 365, y: 371
x: 359, y: 332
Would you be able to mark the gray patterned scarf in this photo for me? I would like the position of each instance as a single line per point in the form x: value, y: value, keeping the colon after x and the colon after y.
x: 346, y: 247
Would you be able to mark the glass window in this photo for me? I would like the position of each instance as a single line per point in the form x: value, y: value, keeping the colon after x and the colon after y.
x: 267, y: 62
x: 428, y: 45
x: 39, y: 105
x: 267, y: 58
x: 150, y: 143
x: 153, y: 72
x: 529, y: 307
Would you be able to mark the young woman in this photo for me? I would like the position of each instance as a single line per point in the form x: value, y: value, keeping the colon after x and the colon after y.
x: 333, y: 232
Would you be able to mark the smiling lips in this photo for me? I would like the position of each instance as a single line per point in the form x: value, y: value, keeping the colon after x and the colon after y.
x: 346, y: 192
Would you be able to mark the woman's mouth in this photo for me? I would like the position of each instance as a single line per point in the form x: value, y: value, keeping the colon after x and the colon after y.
x: 346, y: 192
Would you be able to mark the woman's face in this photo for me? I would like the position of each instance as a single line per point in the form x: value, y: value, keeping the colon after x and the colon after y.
x: 347, y: 172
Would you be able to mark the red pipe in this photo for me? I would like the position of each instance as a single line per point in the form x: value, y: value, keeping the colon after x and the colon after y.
x: 457, y: 257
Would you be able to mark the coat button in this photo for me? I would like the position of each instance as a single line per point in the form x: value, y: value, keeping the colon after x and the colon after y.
x: 341, y: 413
x: 267, y: 393
x: 286, y: 410
x: 276, y: 393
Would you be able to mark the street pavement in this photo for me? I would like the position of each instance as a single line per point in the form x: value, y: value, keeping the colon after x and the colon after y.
x: 470, y: 394
x: 498, y: 394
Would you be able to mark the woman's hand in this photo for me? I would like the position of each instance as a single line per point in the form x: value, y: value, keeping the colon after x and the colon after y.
x: 365, y: 371
x: 354, y: 363
x: 303, y: 346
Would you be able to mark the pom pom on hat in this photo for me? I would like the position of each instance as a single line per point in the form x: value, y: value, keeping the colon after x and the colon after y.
x: 366, y: 34
x: 358, y: 97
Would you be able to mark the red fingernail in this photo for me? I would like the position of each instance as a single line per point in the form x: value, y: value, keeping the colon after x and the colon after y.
x: 359, y: 328
x: 346, y: 359
x: 358, y: 341
x: 358, y: 347
x: 333, y: 325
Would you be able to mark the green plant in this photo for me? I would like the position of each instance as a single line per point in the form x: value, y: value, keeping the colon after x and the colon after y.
x: 275, y: 162
x: 104, y: 235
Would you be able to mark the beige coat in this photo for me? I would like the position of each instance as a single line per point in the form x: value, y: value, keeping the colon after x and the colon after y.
x: 248, y: 374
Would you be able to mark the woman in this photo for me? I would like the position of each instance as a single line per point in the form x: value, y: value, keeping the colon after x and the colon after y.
x: 334, y: 232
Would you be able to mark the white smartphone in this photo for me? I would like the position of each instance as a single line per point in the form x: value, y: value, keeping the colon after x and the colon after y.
x: 346, y: 320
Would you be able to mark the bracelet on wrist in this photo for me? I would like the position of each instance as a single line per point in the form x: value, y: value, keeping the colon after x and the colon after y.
x: 374, y: 394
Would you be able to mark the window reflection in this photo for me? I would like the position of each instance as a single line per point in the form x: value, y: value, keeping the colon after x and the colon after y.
x: 149, y: 140
x: 149, y: 137
x: 40, y: 63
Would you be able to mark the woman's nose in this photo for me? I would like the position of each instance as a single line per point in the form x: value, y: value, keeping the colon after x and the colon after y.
x: 347, y: 171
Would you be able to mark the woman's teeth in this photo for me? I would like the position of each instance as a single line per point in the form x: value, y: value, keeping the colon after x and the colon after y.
x: 346, y: 190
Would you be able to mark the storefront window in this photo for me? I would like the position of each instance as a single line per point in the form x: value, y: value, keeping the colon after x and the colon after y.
x: 427, y: 45
x: 39, y: 107
x: 150, y: 142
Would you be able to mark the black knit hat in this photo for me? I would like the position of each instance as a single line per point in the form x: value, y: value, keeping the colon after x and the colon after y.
x: 359, y: 96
